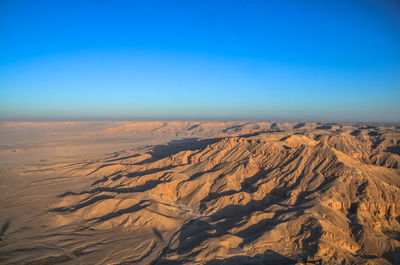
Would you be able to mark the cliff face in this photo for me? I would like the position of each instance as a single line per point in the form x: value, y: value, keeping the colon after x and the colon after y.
x: 302, y: 195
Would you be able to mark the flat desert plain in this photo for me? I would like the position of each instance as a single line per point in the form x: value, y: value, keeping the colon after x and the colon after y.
x: 199, y: 193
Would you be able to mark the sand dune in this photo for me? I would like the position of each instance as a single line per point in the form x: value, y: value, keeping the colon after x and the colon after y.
x: 202, y: 193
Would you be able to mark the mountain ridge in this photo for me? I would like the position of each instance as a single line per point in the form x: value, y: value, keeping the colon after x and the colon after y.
x: 328, y: 195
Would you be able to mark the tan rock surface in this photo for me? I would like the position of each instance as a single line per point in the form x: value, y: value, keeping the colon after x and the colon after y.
x: 236, y: 193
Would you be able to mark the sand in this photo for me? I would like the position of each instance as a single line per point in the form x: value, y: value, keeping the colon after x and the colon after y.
x: 199, y: 193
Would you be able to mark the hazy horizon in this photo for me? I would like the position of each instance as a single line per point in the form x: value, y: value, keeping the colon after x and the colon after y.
x: 200, y: 60
x: 170, y: 120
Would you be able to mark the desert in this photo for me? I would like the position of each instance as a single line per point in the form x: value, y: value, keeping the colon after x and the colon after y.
x: 199, y: 132
x: 178, y: 192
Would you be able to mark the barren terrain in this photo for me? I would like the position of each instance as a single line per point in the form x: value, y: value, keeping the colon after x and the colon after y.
x: 199, y: 193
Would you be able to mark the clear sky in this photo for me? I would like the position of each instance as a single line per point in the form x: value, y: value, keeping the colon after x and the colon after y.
x: 200, y: 59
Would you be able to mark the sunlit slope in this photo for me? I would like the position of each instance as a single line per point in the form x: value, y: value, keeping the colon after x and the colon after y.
x: 273, y: 195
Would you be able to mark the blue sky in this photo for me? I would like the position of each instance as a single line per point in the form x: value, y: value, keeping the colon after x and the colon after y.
x: 201, y: 59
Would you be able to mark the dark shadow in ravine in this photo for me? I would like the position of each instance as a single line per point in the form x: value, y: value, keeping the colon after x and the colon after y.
x: 393, y: 149
x: 199, y: 174
x: 148, y: 185
x: 173, y: 147
x: 299, y: 125
x: 368, y: 127
x: 193, y: 127
x: 355, y: 133
x: 106, y: 178
x: 121, y: 158
x: 323, y: 127
x: 393, y: 256
x: 141, y: 188
x: 235, y: 128
x: 4, y: 228
x: 144, y: 172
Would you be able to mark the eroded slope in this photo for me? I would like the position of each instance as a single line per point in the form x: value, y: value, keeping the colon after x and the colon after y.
x: 322, y: 194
